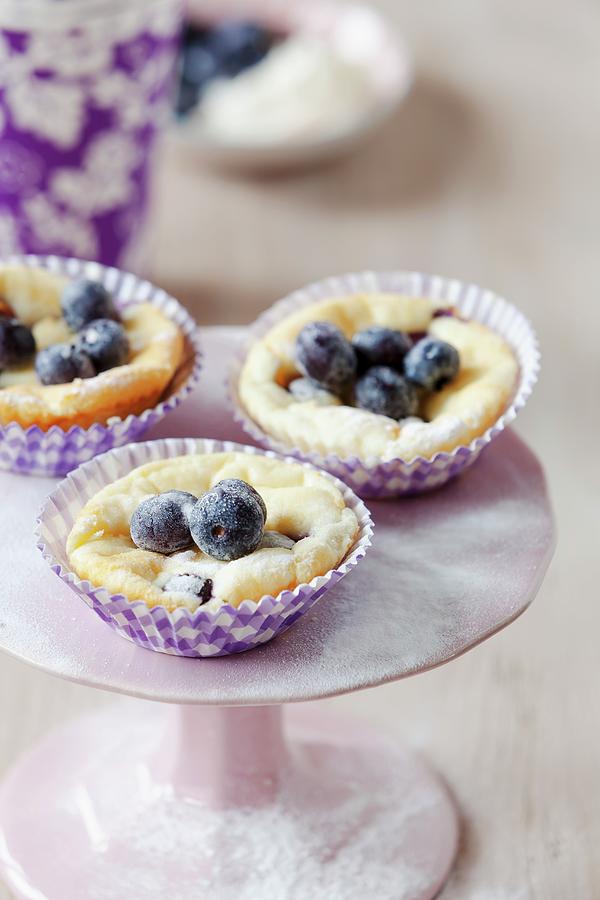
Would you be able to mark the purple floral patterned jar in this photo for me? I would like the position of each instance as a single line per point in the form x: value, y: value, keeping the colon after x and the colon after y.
x: 85, y: 85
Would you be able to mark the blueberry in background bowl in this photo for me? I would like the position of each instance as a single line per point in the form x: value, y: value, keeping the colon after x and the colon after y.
x: 219, y: 51
x: 239, y: 45
x: 312, y: 96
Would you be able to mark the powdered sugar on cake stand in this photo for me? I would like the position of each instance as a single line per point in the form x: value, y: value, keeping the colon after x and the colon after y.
x: 212, y: 797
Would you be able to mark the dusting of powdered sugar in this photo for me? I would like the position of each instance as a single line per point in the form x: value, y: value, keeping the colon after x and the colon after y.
x: 427, y: 436
x: 195, y: 562
x: 334, y: 833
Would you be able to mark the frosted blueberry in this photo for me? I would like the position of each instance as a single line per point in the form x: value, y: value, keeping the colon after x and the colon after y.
x: 62, y: 363
x: 188, y: 97
x: 324, y: 354
x: 227, y: 524
x: 191, y: 584
x: 160, y: 523
x: 83, y: 301
x: 198, y: 63
x: 431, y: 364
x: 239, y: 486
x: 378, y: 346
x: 237, y: 45
x: 385, y: 392
x: 17, y: 343
x: 105, y: 342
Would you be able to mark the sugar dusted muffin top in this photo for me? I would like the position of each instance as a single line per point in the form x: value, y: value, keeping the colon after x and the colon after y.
x: 408, y: 410
x: 307, y: 530
x: 69, y: 357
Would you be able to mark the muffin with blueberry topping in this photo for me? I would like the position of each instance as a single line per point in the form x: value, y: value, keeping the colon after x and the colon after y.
x: 69, y: 356
x: 208, y: 529
x: 381, y: 376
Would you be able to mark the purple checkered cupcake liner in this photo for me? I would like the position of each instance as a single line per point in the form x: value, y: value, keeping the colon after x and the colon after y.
x: 374, y: 478
x: 202, y: 633
x: 33, y: 451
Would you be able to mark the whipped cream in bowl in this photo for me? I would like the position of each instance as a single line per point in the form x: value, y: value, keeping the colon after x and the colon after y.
x: 331, y: 73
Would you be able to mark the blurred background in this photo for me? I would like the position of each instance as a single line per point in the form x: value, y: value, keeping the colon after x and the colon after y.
x: 486, y: 170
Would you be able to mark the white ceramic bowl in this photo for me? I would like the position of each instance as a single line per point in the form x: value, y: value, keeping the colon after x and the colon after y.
x: 374, y: 44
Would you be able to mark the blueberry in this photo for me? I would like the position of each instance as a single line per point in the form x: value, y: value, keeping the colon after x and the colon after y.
x: 377, y: 346
x: 303, y: 389
x: 83, y: 301
x: 226, y: 524
x: 431, y: 364
x: 238, y: 486
x: 160, y: 523
x: 105, y: 342
x: 62, y: 363
x: 195, y: 34
x: 191, y: 584
x: 237, y: 45
x: 17, y: 343
x: 188, y: 97
x: 385, y: 392
x: 325, y: 355
x: 198, y: 65
x: 183, y: 498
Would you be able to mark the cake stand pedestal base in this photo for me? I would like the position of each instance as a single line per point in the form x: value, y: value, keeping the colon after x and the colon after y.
x: 149, y: 801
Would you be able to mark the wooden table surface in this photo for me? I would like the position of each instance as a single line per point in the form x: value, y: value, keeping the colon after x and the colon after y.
x: 488, y: 174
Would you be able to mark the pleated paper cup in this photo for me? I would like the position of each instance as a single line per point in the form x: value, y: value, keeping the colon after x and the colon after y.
x: 374, y: 478
x: 33, y: 451
x: 201, y: 633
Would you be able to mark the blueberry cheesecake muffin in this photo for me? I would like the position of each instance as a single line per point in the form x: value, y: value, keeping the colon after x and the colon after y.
x: 208, y: 529
x: 68, y: 357
x: 377, y: 376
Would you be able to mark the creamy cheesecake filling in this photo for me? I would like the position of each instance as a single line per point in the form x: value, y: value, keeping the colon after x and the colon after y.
x: 309, y: 530
x: 456, y: 414
x: 156, y: 351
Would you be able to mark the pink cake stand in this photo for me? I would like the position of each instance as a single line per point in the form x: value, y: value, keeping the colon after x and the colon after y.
x: 214, y: 796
